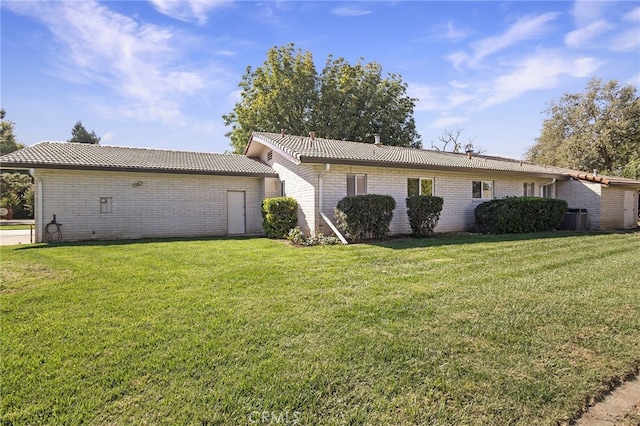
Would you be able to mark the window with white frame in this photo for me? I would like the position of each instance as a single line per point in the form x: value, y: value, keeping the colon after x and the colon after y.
x: 356, y: 184
x: 482, y: 189
x: 546, y: 191
x: 528, y: 189
x: 419, y: 186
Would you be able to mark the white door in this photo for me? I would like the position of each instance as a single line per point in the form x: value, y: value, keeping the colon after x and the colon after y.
x: 235, y: 212
x: 629, y: 211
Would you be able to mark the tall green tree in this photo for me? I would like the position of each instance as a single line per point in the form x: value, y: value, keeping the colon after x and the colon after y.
x: 598, y: 129
x: 356, y: 101
x: 8, y: 141
x: 16, y: 189
x: 80, y: 135
x: 343, y: 102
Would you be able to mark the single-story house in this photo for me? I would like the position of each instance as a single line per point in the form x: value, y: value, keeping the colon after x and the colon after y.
x: 319, y: 172
x: 104, y: 192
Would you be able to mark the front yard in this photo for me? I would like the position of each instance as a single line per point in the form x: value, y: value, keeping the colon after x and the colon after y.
x: 457, y: 330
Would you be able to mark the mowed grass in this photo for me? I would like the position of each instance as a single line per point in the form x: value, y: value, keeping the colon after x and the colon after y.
x: 458, y: 330
x: 4, y: 227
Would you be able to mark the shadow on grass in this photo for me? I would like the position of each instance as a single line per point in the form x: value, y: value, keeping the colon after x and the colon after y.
x: 395, y: 243
x: 104, y: 243
x: 438, y: 240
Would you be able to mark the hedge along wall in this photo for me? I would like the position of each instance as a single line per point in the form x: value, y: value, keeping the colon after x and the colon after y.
x: 424, y: 212
x: 514, y: 215
x: 279, y: 216
x: 365, y: 217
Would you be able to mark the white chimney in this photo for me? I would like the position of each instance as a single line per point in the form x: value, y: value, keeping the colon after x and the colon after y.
x: 595, y: 172
x: 377, y: 139
x: 312, y: 135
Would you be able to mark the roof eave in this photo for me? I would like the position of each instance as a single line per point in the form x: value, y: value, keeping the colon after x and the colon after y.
x: 290, y: 154
x: 468, y: 170
x: 26, y: 166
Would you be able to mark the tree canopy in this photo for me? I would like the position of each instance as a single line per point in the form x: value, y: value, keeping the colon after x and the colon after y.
x: 8, y: 141
x: 598, y: 129
x: 80, y: 135
x: 345, y: 101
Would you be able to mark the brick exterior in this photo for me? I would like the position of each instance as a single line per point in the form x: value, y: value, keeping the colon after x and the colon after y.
x: 164, y: 205
x: 300, y: 181
x: 454, y: 188
x: 583, y: 195
x: 182, y: 205
x: 605, y: 205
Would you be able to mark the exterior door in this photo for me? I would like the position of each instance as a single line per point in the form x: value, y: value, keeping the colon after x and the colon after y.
x: 629, y: 216
x: 236, y: 212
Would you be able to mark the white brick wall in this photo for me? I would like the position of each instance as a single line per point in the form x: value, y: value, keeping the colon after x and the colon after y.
x: 583, y: 195
x: 165, y: 205
x: 612, y: 216
x: 300, y: 182
x: 454, y: 187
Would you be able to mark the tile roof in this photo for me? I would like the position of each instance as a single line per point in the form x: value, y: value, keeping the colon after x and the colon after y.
x: 605, y: 180
x: 63, y: 155
x: 318, y: 150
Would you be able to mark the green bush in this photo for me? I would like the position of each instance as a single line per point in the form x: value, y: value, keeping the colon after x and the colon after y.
x: 514, y: 215
x: 424, y: 212
x: 365, y: 217
x: 296, y: 236
x: 279, y: 216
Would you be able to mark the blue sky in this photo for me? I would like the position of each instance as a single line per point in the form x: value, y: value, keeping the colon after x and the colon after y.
x: 161, y: 73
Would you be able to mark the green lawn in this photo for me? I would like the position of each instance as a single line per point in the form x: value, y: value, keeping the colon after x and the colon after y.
x: 460, y: 330
x: 4, y: 227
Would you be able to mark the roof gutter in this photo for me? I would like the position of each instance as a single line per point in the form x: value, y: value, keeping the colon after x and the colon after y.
x: 55, y: 166
x: 327, y: 168
x: 459, y: 169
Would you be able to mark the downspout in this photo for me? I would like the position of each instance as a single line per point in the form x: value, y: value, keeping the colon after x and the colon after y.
x: 548, y: 184
x: 37, y: 214
x: 327, y: 168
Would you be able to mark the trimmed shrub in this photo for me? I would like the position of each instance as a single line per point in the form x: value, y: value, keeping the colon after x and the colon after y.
x: 424, y: 212
x: 514, y: 215
x: 279, y: 216
x: 365, y: 217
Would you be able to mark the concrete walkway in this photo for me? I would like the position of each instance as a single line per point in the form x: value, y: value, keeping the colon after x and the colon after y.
x: 615, y: 407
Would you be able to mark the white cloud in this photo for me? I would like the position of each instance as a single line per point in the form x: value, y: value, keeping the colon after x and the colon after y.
x: 583, y: 35
x: 633, y: 16
x: 106, y: 137
x: 542, y: 71
x: 626, y: 41
x: 459, y: 97
x: 527, y: 28
x: 457, y: 59
x: 454, y: 33
x: 350, y: 11
x: 447, y: 121
x: 138, y: 62
x: 428, y: 98
x: 635, y: 80
x: 587, y: 11
x: 188, y: 10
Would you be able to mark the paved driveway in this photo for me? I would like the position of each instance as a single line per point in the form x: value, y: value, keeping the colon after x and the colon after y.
x: 11, y: 237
